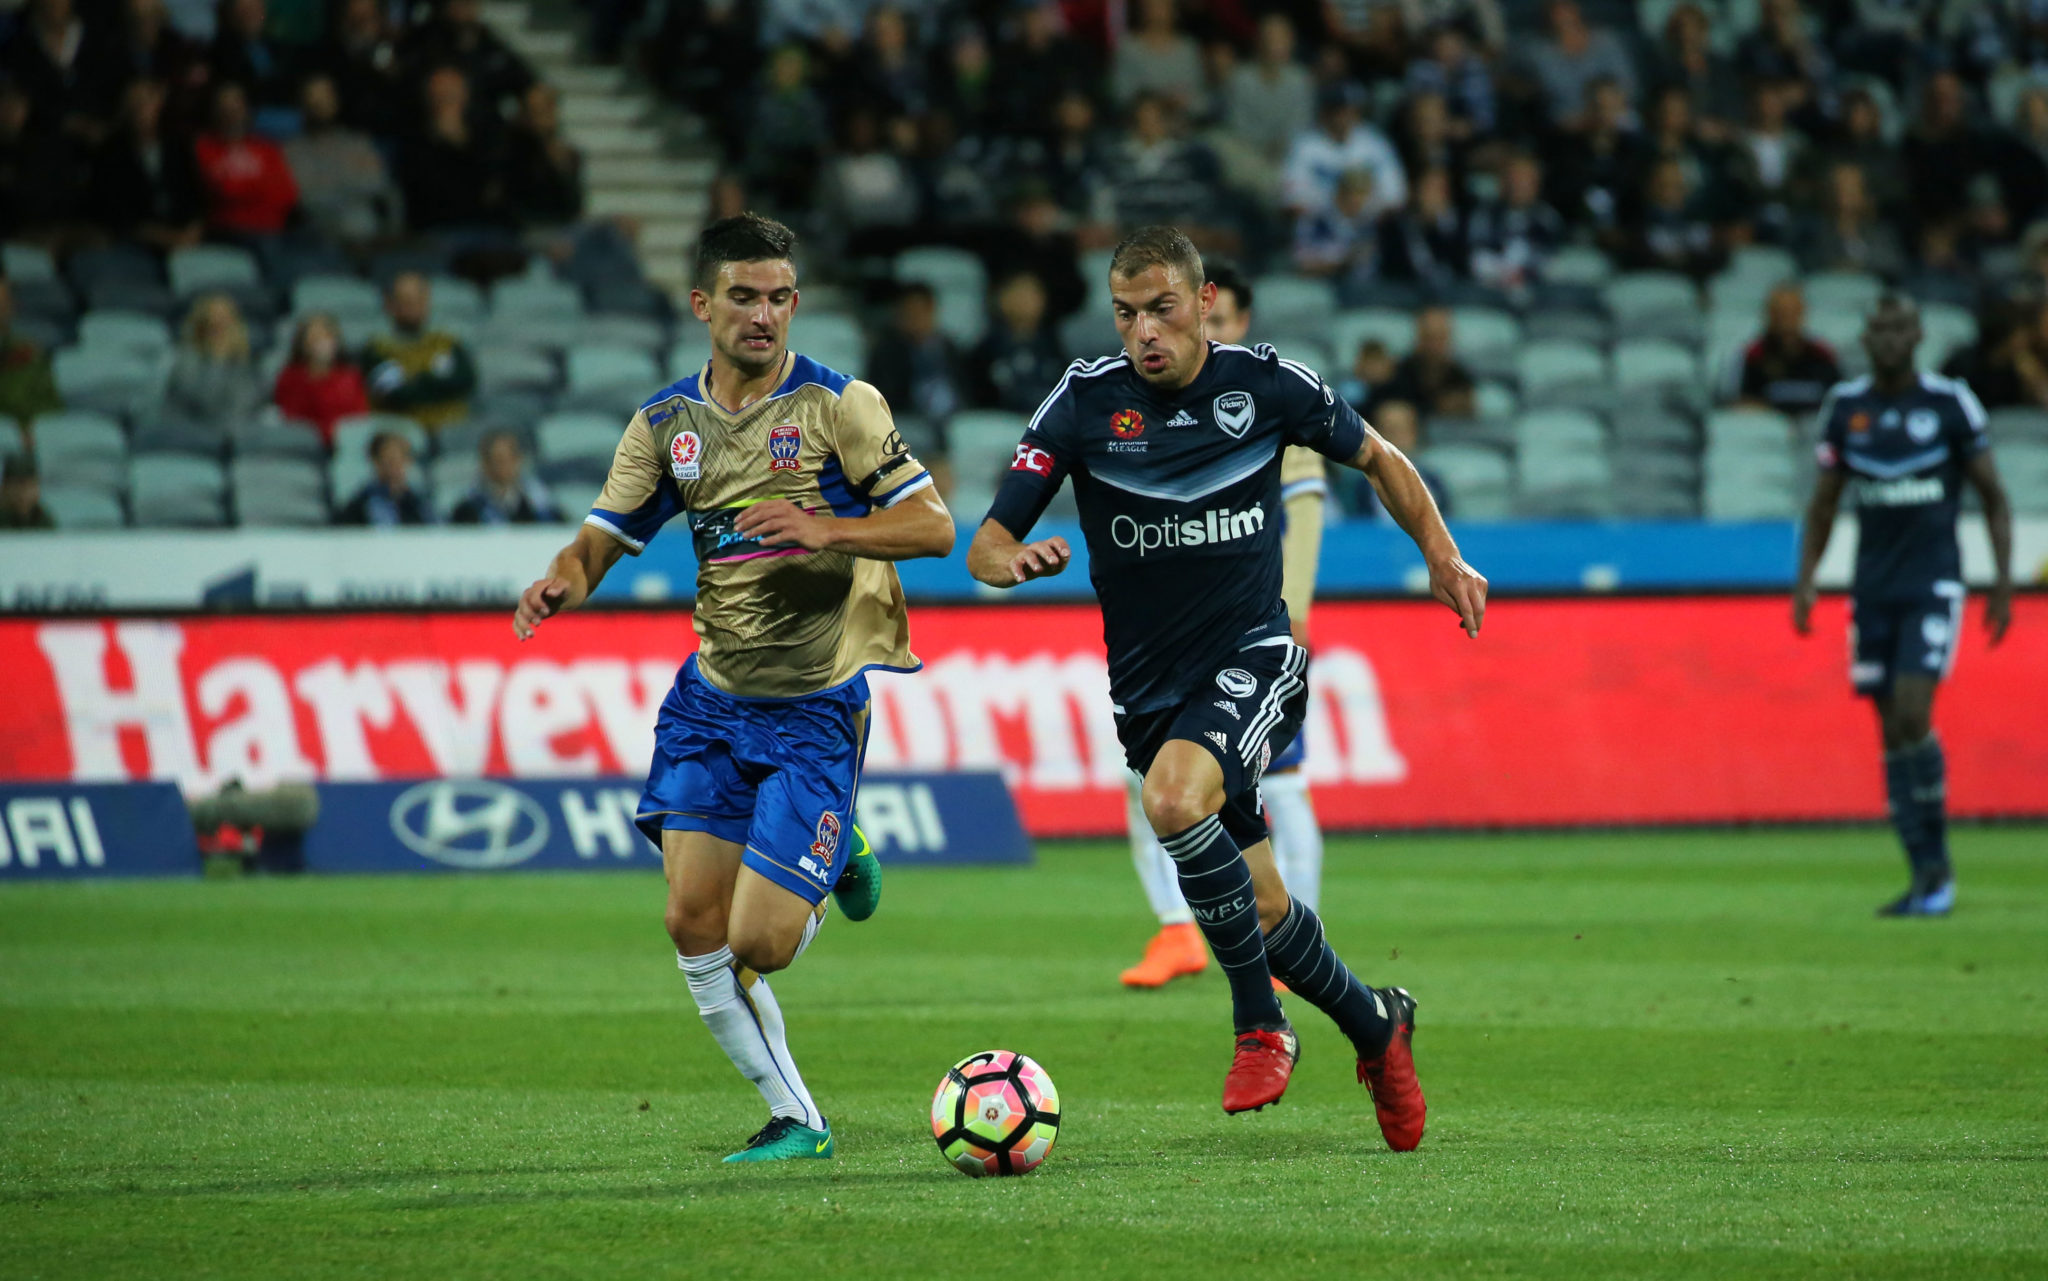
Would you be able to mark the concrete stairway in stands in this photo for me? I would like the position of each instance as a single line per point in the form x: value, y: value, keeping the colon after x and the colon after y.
x: 639, y: 155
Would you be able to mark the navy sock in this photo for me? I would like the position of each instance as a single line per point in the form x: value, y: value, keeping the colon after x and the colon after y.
x: 1218, y: 887
x: 1916, y: 779
x: 1306, y: 963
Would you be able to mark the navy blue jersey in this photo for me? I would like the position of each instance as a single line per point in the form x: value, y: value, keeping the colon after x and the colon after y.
x: 1904, y: 459
x: 1180, y: 503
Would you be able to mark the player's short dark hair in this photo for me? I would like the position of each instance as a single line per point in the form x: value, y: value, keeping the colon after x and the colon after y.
x: 1157, y: 246
x: 746, y: 237
x: 1228, y: 278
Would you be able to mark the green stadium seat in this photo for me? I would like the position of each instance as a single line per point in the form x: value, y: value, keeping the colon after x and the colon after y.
x: 178, y: 490
x: 81, y: 447
x: 279, y: 491
x: 1349, y: 330
x: 83, y: 507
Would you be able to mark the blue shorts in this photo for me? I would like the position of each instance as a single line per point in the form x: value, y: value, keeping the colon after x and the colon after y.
x: 1890, y: 639
x: 777, y: 776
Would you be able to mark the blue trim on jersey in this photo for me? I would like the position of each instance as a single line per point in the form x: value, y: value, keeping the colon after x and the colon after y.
x: 838, y: 492
x: 805, y: 371
x: 1893, y: 469
x: 819, y: 693
x: 638, y: 527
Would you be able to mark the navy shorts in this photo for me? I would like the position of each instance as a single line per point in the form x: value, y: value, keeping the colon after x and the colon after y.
x: 1246, y: 713
x: 777, y: 776
x: 1890, y: 639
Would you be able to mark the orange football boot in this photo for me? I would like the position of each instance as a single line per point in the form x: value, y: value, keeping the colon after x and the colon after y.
x: 1174, y: 951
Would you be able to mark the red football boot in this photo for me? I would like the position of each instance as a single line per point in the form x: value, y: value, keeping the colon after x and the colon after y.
x: 1260, y: 1068
x: 1396, y: 1094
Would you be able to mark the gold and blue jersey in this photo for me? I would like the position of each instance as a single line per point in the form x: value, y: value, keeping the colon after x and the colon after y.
x: 772, y: 622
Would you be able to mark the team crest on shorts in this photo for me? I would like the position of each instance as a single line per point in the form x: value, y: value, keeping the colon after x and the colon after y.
x: 1236, y: 682
x: 685, y: 455
x: 784, y: 443
x: 827, y: 843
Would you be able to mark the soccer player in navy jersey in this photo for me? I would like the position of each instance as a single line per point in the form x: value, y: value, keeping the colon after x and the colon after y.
x: 1900, y: 443
x: 1174, y: 451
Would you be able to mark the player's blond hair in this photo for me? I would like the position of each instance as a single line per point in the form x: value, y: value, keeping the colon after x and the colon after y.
x: 1157, y: 246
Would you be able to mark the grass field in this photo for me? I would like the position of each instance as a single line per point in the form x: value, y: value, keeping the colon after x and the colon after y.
x: 1688, y: 1054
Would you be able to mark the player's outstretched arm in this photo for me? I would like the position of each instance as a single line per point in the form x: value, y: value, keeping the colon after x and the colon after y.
x: 1983, y: 474
x: 917, y: 526
x: 574, y: 573
x: 1813, y: 541
x: 997, y: 558
x: 1407, y: 500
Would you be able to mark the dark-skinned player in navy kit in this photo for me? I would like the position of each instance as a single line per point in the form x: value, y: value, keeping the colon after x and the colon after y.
x: 1174, y: 449
x: 1900, y: 443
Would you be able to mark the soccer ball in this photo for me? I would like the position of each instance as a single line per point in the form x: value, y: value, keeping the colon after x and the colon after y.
x: 995, y: 1113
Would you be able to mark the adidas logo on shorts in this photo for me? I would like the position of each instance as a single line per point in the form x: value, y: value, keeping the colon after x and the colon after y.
x: 1217, y: 737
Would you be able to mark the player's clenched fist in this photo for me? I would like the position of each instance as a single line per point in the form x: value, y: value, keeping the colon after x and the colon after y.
x: 1461, y: 587
x: 541, y: 600
x: 1041, y: 559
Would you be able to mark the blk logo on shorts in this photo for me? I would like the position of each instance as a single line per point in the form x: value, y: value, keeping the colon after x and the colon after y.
x: 784, y: 443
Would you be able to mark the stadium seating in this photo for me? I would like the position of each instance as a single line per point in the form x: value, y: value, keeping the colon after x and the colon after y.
x: 1558, y: 372
x: 1293, y: 306
x: 278, y: 491
x: 1657, y: 368
x: 981, y: 445
x: 503, y: 368
x: 205, y: 268
x: 81, y: 448
x: 1480, y: 480
x: 75, y: 507
x: 1850, y: 292
x: 1348, y: 330
x: 536, y: 298
x: 450, y: 478
x: 268, y: 436
x: 2023, y: 465
x: 177, y: 490
x: 608, y: 377
x: 347, y: 298
x: 959, y: 282
x: 576, y: 445
x: 834, y: 340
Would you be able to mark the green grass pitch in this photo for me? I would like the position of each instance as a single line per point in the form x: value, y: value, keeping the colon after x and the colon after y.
x: 1676, y: 1054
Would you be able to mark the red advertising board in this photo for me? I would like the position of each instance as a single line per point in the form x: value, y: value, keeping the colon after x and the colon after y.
x: 1564, y: 712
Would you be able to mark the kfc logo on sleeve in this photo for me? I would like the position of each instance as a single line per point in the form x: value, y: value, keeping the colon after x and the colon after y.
x: 1032, y: 459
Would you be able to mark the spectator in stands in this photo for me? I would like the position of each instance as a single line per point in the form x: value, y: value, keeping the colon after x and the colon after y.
x: 1019, y: 359
x: 1036, y: 242
x: 1162, y: 176
x: 148, y: 47
x: 145, y: 187
x: 544, y: 173
x: 423, y: 373
x: 889, y: 74
x: 244, y: 53
x: 1075, y: 164
x: 41, y: 175
x: 1510, y: 238
x: 318, y: 383
x: 1461, y: 76
x: 1597, y: 170
x: 1861, y: 142
x: 362, y: 55
x: 1340, y: 242
x: 1340, y: 143
x: 1156, y: 57
x: 1040, y: 62
x: 250, y: 191
x: 1400, y: 426
x: 344, y: 187
x: 1770, y: 159
x: 387, y: 498
x: 212, y: 383
x: 21, y: 495
x: 866, y: 185
x: 1427, y: 138
x: 1430, y: 377
x: 1575, y: 55
x: 1780, y: 48
x: 1676, y: 231
x: 1424, y: 244
x: 1370, y: 40
x: 916, y: 368
x: 1848, y: 235
x: 2008, y: 366
x: 457, y: 37
x: 1686, y: 61
x: 707, y: 54
x: 1941, y: 151
x: 27, y: 388
x: 1271, y: 99
x: 1371, y: 370
x: 506, y: 493
x: 66, y: 71
x: 452, y: 173
x: 787, y: 135
x: 1786, y: 368
x: 2019, y: 157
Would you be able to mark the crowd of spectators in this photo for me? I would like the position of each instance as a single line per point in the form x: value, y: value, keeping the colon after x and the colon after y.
x: 1406, y: 151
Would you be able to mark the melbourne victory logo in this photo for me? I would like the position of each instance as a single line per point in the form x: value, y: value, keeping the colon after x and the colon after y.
x: 784, y: 443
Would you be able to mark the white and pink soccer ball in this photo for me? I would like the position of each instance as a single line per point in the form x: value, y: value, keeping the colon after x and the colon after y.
x: 997, y: 1113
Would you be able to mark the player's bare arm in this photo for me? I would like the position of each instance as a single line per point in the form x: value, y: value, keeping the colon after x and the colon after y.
x: 1983, y: 477
x: 918, y: 526
x: 997, y: 558
x: 574, y: 573
x: 1813, y: 543
x: 1400, y: 489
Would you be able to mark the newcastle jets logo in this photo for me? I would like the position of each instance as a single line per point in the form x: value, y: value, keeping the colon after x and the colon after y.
x: 1235, y: 412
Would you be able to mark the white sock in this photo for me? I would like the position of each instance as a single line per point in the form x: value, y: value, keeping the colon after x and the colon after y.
x: 1297, y: 841
x: 1155, y: 869
x: 811, y: 928
x: 747, y: 1024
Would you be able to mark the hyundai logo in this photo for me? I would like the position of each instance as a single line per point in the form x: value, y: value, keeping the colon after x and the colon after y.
x: 472, y: 823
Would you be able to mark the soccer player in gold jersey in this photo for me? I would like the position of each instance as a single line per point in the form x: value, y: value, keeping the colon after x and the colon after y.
x: 798, y: 492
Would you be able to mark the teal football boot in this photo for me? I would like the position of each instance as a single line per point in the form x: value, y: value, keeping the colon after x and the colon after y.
x: 859, y: 889
x: 784, y: 1139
